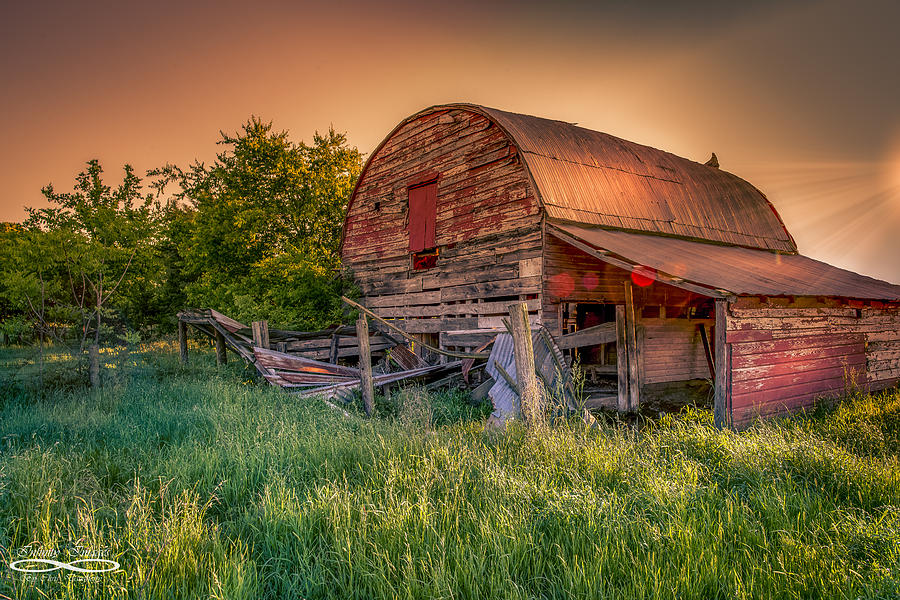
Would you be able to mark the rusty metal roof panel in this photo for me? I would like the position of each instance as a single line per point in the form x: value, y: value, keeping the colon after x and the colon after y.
x: 590, y: 177
x: 741, y: 271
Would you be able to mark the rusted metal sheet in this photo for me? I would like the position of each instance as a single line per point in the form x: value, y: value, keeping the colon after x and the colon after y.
x: 739, y: 271
x: 592, y: 177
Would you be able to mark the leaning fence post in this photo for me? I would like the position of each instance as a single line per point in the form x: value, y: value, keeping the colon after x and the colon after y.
x: 182, y: 340
x: 523, y: 349
x: 221, y: 353
x: 367, y: 385
x: 260, y: 334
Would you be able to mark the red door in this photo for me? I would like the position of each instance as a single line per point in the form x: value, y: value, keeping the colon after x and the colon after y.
x: 422, y: 213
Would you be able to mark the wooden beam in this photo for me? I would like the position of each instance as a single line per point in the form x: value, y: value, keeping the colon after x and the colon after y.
x: 710, y: 360
x: 631, y: 349
x: 182, y: 341
x: 480, y: 393
x: 221, y: 349
x: 621, y: 360
x: 367, y: 385
x: 592, y: 336
x: 722, y: 406
x: 381, y: 323
x: 523, y: 350
x: 261, y: 334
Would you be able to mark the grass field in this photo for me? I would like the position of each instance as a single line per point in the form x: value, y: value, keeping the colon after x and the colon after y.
x: 202, y: 484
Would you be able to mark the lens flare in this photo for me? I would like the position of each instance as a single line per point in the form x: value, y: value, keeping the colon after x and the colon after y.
x: 562, y: 285
x: 643, y: 276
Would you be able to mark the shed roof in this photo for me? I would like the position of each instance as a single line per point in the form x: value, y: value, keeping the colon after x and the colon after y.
x: 738, y: 271
x: 585, y: 176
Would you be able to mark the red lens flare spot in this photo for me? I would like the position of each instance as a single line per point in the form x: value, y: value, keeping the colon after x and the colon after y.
x: 590, y: 281
x: 643, y: 276
x: 562, y: 285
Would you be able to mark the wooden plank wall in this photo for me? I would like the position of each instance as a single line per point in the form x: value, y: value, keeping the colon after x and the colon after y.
x: 673, y: 350
x: 571, y: 275
x: 787, y: 353
x: 487, y: 229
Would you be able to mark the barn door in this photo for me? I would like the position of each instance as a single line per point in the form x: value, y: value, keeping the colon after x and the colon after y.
x: 422, y: 215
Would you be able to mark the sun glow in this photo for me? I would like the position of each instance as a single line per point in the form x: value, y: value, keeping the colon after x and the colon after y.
x: 892, y: 170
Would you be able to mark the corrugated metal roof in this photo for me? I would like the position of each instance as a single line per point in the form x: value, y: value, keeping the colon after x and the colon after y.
x: 585, y: 176
x: 741, y: 271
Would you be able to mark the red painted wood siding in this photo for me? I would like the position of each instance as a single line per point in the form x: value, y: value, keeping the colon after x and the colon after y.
x: 482, y: 187
x: 486, y: 226
x: 786, y: 355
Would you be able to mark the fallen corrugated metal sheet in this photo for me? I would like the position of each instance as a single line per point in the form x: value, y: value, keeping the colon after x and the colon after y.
x: 335, y: 390
x: 741, y: 271
x: 550, y: 367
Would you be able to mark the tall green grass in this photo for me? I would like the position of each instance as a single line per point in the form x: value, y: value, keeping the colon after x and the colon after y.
x: 203, y: 484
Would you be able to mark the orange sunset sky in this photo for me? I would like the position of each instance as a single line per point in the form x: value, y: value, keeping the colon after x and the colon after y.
x: 800, y: 98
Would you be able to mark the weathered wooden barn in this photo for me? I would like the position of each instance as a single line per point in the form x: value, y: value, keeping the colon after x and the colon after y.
x: 670, y: 271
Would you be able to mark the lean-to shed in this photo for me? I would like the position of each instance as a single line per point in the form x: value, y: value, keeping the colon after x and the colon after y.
x: 663, y: 272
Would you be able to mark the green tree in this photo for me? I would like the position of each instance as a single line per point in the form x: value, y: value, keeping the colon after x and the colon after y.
x: 80, y: 254
x: 265, y: 233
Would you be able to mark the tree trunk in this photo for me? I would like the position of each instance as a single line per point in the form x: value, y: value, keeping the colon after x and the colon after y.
x: 41, y: 338
x: 94, y: 365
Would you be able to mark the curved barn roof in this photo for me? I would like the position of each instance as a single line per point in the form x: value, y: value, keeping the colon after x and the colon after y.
x: 592, y: 178
x: 585, y: 176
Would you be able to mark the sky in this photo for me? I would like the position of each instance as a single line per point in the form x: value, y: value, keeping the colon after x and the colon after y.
x: 800, y: 98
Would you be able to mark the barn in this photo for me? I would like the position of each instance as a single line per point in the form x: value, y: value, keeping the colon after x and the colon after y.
x: 664, y: 275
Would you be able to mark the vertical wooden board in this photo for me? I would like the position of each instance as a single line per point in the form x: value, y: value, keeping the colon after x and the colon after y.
x: 722, y: 407
x: 260, y: 334
x: 710, y: 359
x: 640, y: 333
x: 523, y: 350
x: 221, y: 349
x: 430, y: 213
x: 416, y: 219
x: 634, y: 384
x: 333, y: 349
x: 367, y: 384
x: 182, y: 341
x: 621, y: 360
